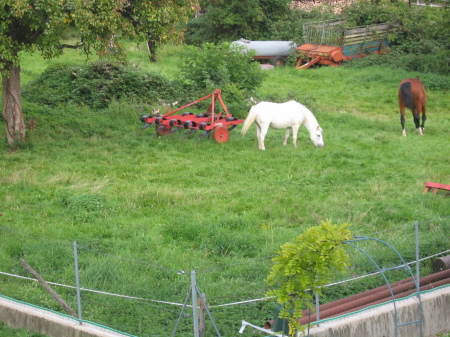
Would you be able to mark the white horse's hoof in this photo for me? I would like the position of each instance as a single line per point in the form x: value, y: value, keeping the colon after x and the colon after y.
x: 404, y: 133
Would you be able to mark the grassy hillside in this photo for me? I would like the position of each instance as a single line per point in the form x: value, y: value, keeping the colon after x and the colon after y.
x: 145, y: 211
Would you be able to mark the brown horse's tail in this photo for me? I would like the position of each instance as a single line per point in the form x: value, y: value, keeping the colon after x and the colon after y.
x: 407, y: 96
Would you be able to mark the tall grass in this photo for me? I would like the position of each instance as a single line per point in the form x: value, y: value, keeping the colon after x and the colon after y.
x: 143, y: 208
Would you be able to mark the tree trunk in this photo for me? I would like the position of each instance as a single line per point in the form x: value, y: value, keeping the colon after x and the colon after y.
x: 12, y: 107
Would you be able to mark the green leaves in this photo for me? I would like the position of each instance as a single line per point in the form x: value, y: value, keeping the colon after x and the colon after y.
x: 227, y: 20
x: 43, y: 25
x: 305, y: 265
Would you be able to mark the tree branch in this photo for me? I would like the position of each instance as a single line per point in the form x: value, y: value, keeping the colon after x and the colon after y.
x: 70, y: 46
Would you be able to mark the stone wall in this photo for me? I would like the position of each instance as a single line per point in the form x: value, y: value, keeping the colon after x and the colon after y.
x: 308, y: 5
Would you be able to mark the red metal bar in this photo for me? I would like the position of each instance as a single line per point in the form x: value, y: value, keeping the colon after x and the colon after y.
x: 435, y: 187
x: 192, y: 103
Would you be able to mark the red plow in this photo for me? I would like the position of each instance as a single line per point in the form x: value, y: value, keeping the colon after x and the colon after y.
x: 218, y: 124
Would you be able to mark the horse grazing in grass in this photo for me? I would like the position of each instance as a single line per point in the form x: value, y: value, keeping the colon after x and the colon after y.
x: 289, y: 115
x: 412, y: 95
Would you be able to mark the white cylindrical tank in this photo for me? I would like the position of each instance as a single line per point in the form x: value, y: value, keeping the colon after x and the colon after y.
x: 265, y: 48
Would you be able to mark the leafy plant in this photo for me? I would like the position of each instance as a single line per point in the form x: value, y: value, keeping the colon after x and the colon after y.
x: 305, y: 266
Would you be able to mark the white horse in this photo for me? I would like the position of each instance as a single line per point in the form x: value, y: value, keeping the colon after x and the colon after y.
x: 289, y: 115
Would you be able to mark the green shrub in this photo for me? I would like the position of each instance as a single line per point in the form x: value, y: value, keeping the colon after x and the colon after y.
x: 419, y: 44
x: 211, y: 66
x: 98, y: 84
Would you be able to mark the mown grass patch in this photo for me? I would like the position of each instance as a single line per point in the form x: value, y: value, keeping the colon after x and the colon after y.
x: 144, y: 208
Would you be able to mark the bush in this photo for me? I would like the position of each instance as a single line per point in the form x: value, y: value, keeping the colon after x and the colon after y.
x: 421, y: 41
x: 212, y: 67
x: 97, y: 84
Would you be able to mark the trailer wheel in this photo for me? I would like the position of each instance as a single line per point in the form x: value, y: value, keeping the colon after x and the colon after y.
x: 221, y: 134
x: 162, y: 130
x: 278, y: 61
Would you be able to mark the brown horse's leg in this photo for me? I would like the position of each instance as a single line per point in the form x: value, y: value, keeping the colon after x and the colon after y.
x: 424, y: 117
x: 416, y: 115
x: 402, y: 119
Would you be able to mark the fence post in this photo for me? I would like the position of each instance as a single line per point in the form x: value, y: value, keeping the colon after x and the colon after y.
x: 416, y: 226
x: 194, y: 303
x: 202, y: 321
x: 77, y: 281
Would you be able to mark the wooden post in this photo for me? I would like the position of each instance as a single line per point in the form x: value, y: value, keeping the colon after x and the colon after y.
x: 47, y: 287
x: 441, y: 263
x: 201, y: 317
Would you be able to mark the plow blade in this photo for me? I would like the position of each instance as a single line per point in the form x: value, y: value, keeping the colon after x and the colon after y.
x: 219, y: 123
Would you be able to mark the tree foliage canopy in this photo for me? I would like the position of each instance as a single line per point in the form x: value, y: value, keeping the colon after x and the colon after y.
x: 222, y: 20
x: 304, y: 266
x: 43, y: 24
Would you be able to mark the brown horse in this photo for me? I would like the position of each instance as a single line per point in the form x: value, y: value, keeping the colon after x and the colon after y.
x: 412, y: 95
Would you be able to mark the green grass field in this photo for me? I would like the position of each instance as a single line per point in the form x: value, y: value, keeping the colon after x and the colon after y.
x: 143, y: 208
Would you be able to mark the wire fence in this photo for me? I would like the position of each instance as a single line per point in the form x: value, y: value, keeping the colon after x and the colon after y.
x: 142, y: 298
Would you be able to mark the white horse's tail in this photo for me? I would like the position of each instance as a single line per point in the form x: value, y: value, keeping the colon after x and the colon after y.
x: 249, y: 120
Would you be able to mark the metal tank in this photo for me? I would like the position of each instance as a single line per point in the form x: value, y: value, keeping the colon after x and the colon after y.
x: 265, y: 49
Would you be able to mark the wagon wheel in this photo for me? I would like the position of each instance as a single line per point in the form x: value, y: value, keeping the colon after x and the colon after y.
x: 162, y: 130
x: 278, y: 61
x: 221, y: 134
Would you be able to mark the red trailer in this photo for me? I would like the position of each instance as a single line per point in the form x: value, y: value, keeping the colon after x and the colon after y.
x: 332, y: 42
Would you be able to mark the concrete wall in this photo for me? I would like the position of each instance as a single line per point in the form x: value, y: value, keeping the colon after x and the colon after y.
x: 19, y: 315
x: 372, y: 322
x: 380, y: 320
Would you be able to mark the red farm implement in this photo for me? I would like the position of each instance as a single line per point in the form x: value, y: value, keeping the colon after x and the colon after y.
x: 218, y: 124
x: 332, y: 42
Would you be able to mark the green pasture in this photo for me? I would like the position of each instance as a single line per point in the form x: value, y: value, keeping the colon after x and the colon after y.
x: 144, y: 208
